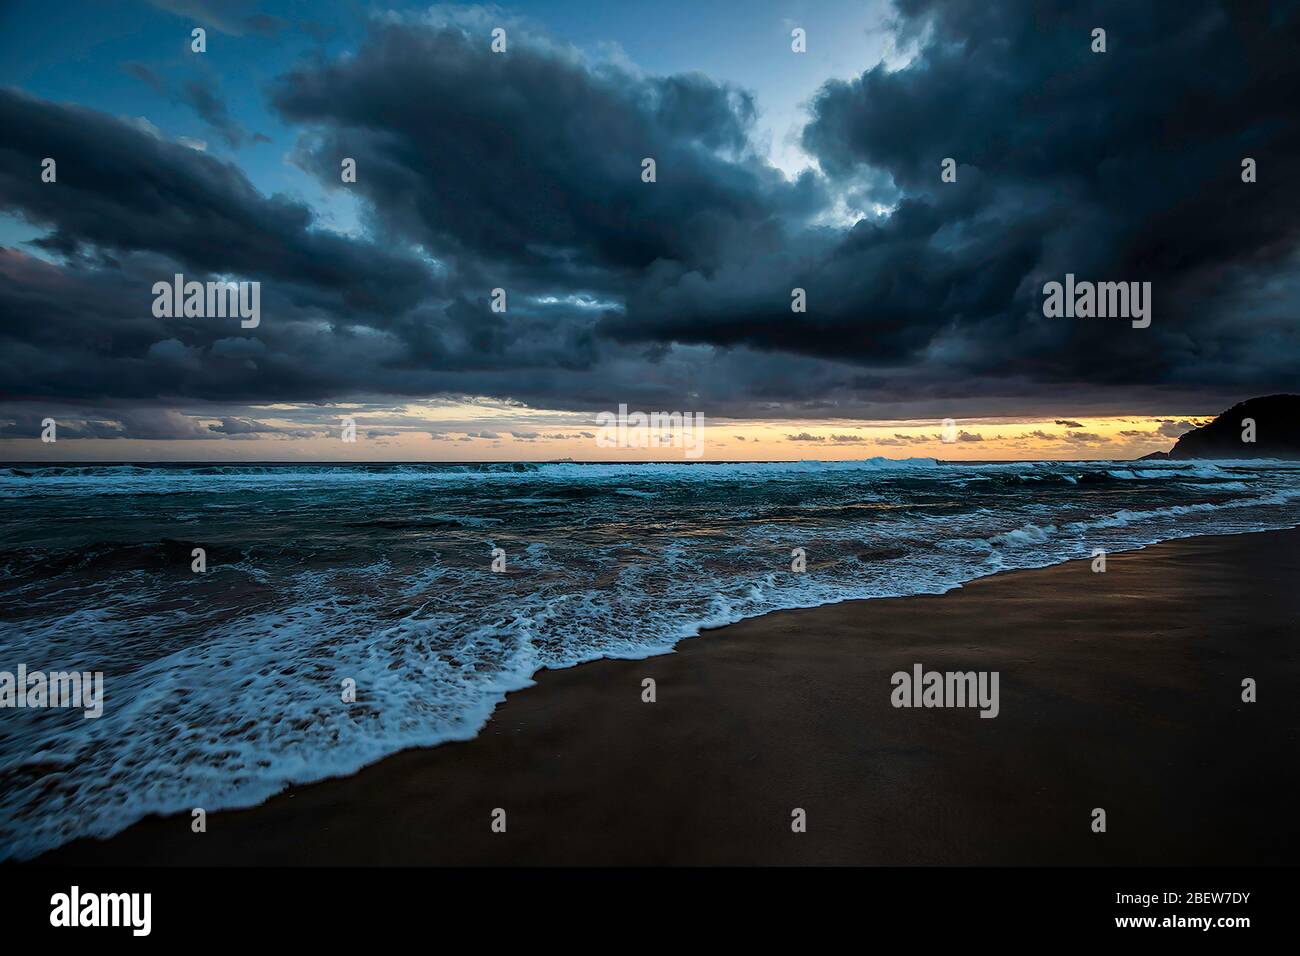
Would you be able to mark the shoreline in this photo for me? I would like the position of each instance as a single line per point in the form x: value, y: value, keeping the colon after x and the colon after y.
x: 791, y: 709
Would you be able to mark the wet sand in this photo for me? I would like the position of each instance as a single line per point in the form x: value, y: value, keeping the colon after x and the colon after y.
x: 1120, y: 690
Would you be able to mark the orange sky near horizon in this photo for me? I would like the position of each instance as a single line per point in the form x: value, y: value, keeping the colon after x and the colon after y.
x: 509, y: 434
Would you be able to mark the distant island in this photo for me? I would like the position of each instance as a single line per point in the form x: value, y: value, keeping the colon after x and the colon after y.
x: 1276, y: 432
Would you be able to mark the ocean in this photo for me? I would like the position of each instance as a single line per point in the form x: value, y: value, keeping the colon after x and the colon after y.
x: 223, y: 687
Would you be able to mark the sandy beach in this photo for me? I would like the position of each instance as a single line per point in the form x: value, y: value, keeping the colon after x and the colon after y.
x: 1120, y: 690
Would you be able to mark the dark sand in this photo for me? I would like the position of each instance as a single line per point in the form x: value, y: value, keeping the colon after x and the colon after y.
x: 1119, y: 690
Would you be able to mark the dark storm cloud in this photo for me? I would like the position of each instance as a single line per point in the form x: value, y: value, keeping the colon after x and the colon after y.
x: 348, y: 317
x: 122, y: 191
x: 527, y: 166
x: 149, y: 424
x: 129, y: 209
x: 28, y: 425
x: 1120, y: 166
x: 523, y: 171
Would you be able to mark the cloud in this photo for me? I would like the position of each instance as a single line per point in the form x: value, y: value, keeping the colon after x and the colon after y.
x: 248, y: 428
x: 1174, y: 429
x: 144, y: 195
x: 200, y: 94
x: 239, y: 426
x: 523, y: 172
x: 578, y: 217
x: 174, y: 352
x: 31, y: 426
x: 147, y: 424
x: 1061, y: 156
x: 212, y: 110
x: 346, y: 316
x: 145, y: 74
x: 232, y: 17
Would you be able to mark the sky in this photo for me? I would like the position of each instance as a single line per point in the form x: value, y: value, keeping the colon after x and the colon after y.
x: 923, y: 331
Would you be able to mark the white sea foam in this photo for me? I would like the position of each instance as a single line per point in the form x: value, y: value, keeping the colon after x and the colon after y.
x: 224, y: 688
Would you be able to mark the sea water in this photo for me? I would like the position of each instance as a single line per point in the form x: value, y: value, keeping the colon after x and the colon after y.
x: 223, y: 687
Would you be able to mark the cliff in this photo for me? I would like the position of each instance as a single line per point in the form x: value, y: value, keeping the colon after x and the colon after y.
x: 1276, y: 432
